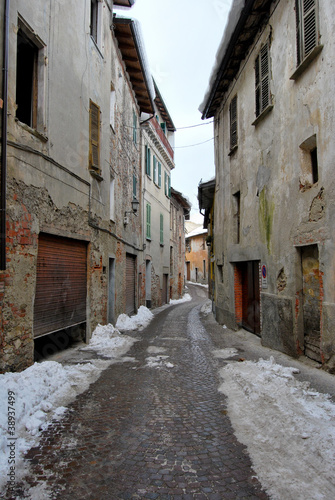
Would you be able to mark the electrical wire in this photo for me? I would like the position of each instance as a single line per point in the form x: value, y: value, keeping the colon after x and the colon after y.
x: 192, y: 145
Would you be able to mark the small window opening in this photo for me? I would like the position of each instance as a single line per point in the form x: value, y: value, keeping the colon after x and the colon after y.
x: 314, y: 161
x: 237, y: 215
x: 309, y: 163
x: 26, y: 80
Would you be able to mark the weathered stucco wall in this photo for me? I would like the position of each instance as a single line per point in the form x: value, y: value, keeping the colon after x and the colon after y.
x: 280, y: 211
x: 50, y: 188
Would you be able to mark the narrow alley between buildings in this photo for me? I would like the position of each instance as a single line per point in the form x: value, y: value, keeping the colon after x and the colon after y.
x: 160, y: 423
x: 155, y: 427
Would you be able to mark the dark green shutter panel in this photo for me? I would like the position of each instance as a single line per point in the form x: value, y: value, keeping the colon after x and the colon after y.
x: 154, y: 167
x: 159, y: 174
x: 134, y: 186
x: 161, y: 229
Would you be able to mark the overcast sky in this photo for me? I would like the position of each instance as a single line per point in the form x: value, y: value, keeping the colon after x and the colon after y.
x: 181, y: 38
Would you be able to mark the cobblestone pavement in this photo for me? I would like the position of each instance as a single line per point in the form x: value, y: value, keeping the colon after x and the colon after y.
x: 148, y: 431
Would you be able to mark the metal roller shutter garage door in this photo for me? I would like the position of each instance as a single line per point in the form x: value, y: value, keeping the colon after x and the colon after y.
x: 130, y: 284
x: 61, y: 284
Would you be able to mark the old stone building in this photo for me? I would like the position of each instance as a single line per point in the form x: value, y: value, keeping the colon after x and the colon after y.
x: 271, y: 95
x: 180, y: 212
x: 70, y: 171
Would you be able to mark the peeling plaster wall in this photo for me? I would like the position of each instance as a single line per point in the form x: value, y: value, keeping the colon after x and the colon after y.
x: 278, y: 213
x: 50, y: 188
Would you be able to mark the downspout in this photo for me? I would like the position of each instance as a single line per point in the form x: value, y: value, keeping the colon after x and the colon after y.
x: 3, y: 179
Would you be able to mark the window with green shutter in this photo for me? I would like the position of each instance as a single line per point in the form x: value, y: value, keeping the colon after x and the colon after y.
x: 134, y: 127
x: 148, y: 232
x: 154, y: 160
x: 147, y: 161
x: 161, y: 229
x: 134, y: 187
x: 159, y: 174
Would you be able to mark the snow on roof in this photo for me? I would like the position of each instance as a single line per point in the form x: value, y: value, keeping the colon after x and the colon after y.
x: 233, y: 17
x: 196, y: 232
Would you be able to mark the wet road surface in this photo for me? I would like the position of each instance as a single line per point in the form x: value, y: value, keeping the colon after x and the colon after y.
x: 152, y: 428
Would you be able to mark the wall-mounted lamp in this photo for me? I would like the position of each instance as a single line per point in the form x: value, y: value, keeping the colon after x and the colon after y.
x: 134, y: 209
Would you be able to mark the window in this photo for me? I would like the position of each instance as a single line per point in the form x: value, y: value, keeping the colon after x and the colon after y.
x: 148, y: 232
x: 147, y: 161
x: 29, y: 76
x: 155, y: 170
x: 307, y: 28
x: 167, y: 185
x: 233, y: 123
x: 262, y: 77
x: 112, y: 199
x: 134, y: 187
x: 171, y: 260
x: 237, y: 215
x: 161, y: 229
x: 94, y: 153
x: 204, y: 269
x: 159, y: 174
x: 309, y: 163
x: 163, y: 127
x: 134, y: 127
x: 94, y: 20
x: 112, y: 107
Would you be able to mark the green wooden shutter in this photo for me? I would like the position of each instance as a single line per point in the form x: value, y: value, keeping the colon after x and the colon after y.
x: 154, y: 168
x: 148, y: 233
x: 169, y: 186
x: 161, y: 229
x: 134, y: 187
x: 165, y: 184
x: 159, y: 175
x: 134, y: 127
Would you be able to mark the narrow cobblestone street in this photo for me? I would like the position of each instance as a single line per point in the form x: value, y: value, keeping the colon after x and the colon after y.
x: 149, y: 430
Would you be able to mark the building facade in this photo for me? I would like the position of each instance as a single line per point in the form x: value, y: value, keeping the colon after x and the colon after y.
x: 196, y: 253
x: 70, y: 171
x: 158, y: 163
x: 180, y: 212
x: 274, y: 229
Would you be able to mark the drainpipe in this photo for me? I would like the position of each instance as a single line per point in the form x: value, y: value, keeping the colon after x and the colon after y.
x: 3, y: 179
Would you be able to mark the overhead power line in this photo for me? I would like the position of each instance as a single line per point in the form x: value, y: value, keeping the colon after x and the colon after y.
x: 192, y: 145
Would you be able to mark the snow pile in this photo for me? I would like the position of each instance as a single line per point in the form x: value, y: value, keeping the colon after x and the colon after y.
x: 207, y: 307
x: 186, y: 298
x: 288, y: 429
x: 41, y: 393
x: 139, y: 321
x: 109, y: 342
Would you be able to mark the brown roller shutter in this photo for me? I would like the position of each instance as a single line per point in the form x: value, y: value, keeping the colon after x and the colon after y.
x: 61, y: 283
x: 130, y: 284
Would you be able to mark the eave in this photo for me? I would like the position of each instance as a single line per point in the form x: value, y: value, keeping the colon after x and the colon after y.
x: 253, y: 16
x: 133, y: 57
x: 182, y: 201
x: 124, y: 3
x: 163, y: 110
